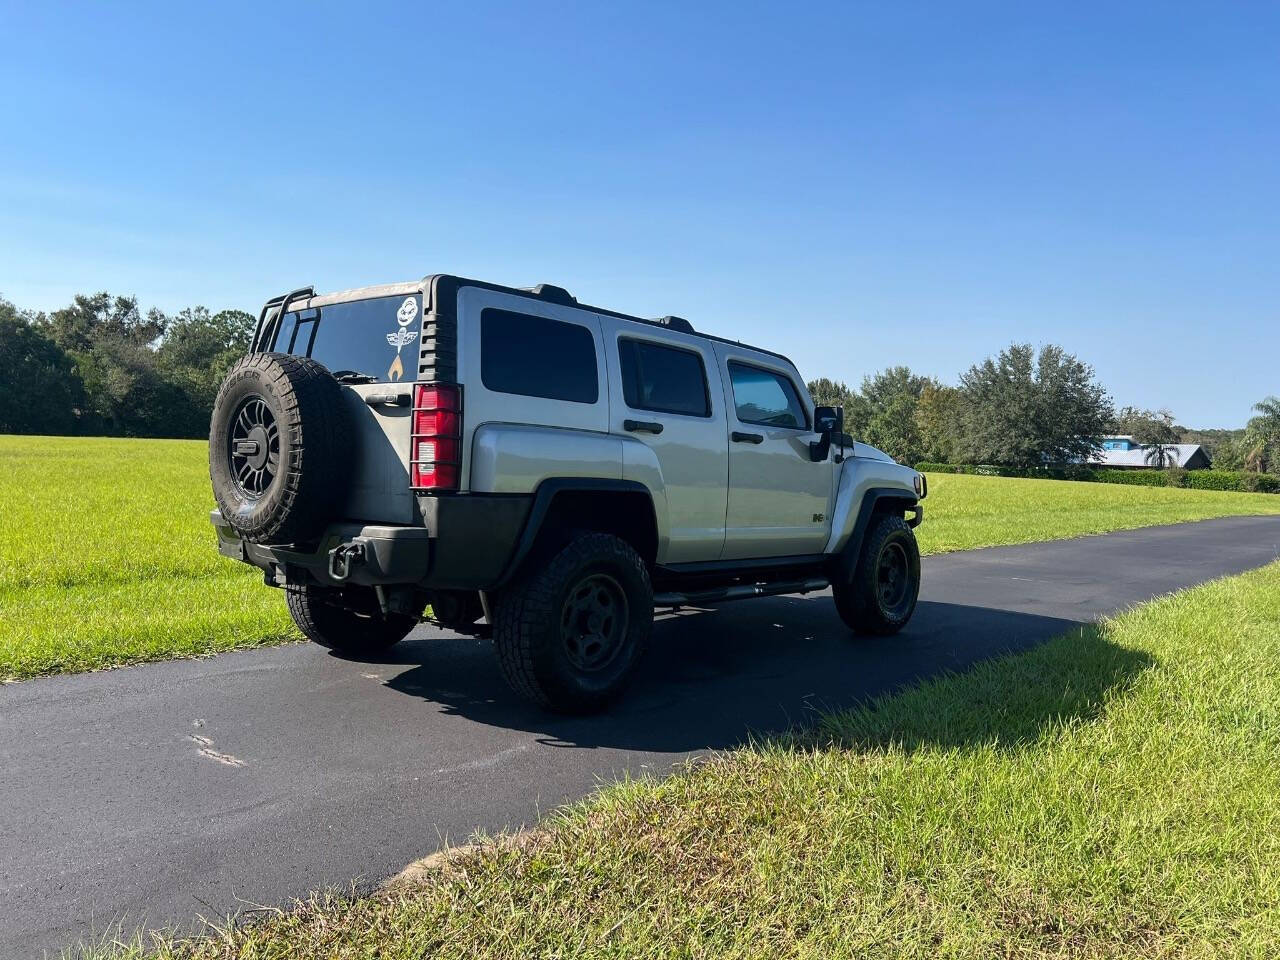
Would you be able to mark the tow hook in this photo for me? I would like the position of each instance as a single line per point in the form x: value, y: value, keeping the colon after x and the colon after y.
x: 343, y: 557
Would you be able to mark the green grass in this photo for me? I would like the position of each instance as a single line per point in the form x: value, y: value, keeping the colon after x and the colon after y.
x: 963, y: 512
x: 107, y: 556
x: 1109, y: 794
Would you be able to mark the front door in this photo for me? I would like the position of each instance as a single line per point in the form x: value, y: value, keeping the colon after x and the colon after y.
x: 779, y: 499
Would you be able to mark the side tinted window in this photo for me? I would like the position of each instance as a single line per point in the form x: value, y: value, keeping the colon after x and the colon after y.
x: 768, y: 398
x: 666, y: 379
x: 537, y: 357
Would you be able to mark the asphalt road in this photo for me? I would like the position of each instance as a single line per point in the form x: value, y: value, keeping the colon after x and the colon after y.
x: 155, y: 794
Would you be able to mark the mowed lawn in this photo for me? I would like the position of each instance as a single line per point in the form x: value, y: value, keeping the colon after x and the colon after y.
x: 107, y: 556
x: 963, y: 512
x: 1109, y: 794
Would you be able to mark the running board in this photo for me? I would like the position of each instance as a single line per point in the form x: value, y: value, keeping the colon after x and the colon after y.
x: 742, y: 592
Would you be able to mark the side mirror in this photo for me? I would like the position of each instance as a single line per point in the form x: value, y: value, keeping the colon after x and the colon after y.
x: 828, y: 421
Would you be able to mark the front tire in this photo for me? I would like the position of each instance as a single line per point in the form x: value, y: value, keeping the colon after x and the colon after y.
x: 347, y: 621
x: 570, y: 634
x: 886, y: 584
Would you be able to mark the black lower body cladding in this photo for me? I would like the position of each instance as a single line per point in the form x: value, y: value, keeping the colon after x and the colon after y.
x: 280, y: 447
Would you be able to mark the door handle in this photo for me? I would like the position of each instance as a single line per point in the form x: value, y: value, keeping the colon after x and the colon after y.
x: 642, y: 426
x: 739, y: 437
x: 390, y: 399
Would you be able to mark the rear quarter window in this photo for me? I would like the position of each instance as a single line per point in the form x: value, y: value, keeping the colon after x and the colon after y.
x: 537, y: 357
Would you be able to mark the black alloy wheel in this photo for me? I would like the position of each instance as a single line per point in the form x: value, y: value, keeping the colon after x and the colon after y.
x: 254, y: 448
x: 593, y: 622
x: 892, y: 576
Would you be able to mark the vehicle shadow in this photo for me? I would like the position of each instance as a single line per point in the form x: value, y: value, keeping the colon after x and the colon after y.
x: 713, y: 678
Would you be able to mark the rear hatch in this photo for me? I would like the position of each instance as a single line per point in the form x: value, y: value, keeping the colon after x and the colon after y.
x: 369, y: 341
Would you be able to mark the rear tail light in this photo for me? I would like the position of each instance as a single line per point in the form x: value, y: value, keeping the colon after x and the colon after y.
x: 436, y: 448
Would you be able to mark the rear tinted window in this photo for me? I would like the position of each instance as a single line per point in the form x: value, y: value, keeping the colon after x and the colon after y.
x: 767, y: 398
x: 377, y: 338
x: 536, y: 357
x: 661, y: 378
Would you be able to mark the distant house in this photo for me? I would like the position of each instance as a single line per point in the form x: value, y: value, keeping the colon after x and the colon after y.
x: 1124, y: 452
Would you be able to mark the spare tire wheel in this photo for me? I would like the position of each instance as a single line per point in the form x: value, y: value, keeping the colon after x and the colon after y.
x: 280, y: 448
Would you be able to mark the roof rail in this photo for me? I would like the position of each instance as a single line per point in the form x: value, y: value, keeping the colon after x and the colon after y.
x: 547, y: 291
x: 675, y: 323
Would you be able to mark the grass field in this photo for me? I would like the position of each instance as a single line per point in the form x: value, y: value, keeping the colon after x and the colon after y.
x: 107, y: 556
x: 1109, y: 794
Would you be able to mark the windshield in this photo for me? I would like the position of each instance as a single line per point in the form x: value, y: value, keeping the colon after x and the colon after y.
x: 360, y: 341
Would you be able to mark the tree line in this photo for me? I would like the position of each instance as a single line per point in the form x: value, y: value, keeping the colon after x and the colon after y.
x: 103, y: 367
x: 1026, y: 408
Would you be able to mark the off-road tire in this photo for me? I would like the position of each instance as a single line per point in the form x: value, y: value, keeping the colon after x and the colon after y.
x: 530, y: 637
x: 865, y: 604
x: 313, y: 454
x: 346, y: 620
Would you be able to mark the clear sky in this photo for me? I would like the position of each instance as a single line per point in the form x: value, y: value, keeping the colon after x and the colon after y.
x: 857, y: 185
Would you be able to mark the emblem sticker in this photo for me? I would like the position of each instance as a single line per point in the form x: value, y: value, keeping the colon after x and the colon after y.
x: 400, y: 339
x: 408, y: 312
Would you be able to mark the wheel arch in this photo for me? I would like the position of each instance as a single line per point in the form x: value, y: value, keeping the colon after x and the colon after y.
x: 877, y: 500
x: 623, y: 508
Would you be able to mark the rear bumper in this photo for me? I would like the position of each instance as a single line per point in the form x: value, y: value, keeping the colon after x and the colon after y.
x: 366, y: 555
x: 464, y: 543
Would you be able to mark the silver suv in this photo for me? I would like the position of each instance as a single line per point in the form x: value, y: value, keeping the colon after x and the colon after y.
x: 550, y: 472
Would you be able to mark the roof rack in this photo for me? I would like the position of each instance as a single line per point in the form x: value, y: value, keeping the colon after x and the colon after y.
x: 675, y: 323
x: 547, y: 291
x: 282, y: 302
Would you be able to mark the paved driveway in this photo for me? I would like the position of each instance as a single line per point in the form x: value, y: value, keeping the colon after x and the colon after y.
x: 163, y: 792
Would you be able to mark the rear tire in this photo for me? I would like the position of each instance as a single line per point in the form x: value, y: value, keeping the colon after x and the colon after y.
x: 570, y: 633
x: 347, y: 621
x: 886, y: 584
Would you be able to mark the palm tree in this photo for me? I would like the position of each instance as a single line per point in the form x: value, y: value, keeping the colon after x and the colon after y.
x: 1264, y: 433
x: 1160, y: 455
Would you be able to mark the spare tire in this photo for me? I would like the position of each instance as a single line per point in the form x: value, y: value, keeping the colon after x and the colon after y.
x: 280, y: 448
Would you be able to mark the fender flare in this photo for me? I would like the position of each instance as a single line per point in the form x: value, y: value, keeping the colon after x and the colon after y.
x: 847, y: 562
x: 543, y: 496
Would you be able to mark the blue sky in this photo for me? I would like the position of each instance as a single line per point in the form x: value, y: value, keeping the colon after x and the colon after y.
x: 857, y: 185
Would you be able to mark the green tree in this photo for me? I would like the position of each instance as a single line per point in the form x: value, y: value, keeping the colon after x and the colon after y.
x: 1262, y: 436
x: 197, y: 350
x: 830, y: 393
x: 39, y: 390
x: 1157, y: 435
x: 894, y: 430
x: 938, y: 420
x: 883, y: 412
x: 1023, y: 409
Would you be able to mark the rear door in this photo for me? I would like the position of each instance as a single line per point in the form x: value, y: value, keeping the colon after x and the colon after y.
x: 779, y: 499
x: 373, y: 343
x: 665, y: 393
